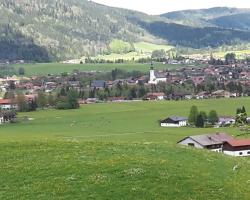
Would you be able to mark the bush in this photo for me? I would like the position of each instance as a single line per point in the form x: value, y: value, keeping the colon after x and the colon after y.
x: 63, y: 106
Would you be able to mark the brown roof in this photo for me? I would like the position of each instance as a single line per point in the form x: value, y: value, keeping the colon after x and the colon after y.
x: 211, y: 139
x: 5, y: 101
x: 239, y: 142
x: 156, y: 94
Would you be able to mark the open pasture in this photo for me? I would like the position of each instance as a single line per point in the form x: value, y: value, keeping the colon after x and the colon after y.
x: 58, y: 68
x: 118, y: 151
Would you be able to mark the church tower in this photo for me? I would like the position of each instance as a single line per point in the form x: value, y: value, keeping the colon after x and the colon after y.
x: 152, y: 74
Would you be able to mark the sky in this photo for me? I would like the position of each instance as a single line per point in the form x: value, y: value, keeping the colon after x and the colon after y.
x: 155, y: 7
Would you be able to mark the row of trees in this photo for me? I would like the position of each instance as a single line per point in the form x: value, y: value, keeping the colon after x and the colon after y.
x: 200, y: 119
x: 230, y: 58
x: 65, y: 99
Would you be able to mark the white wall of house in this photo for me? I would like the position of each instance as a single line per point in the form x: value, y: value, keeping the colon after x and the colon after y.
x: 180, y: 124
x: 189, y: 141
x: 8, y: 106
x: 158, y: 80
x: 170, y: 125
x: 238, y: 153
x: 160, y: 97
x: 219, y: 150
x: 5, y: 107
x: 1, y: 120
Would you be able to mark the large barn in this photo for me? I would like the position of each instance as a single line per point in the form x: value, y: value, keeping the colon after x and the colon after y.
x: 213, y: 142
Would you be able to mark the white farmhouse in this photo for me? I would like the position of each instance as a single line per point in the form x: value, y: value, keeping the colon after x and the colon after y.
x: 174, y: 122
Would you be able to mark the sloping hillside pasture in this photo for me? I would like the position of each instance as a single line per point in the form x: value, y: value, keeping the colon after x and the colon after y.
x: 146, y: 47
x: 117, y: 151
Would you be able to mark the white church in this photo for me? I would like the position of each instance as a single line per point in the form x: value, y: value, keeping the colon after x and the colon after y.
x: 155, y: 78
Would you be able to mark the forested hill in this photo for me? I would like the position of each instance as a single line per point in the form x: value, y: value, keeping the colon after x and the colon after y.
x: 45, y: 30
x: 66, y: 28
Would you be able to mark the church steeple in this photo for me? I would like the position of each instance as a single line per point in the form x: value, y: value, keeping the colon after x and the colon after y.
x: 151, y: 65
x: 152, y: 73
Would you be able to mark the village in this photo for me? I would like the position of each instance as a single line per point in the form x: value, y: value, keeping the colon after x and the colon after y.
x: 211, y: 78
x: 228, y: 79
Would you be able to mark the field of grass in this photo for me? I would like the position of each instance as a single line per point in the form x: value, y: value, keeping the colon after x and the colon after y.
x: 128, y: 56
x: 239, y: 54
x: 118, y: 151
x: 57, y: 68
x: 146, y: 47
x: 142, y: 50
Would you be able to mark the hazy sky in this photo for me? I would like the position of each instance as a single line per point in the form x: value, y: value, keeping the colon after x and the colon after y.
x: 162, y: 6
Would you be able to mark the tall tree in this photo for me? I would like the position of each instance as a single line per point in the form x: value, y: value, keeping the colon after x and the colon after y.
x: 21, y: 71
x: 22, y: 103
x: 41, y: 99
x: 213, y: 117
x: 204, y: 115
x: 230, y: 58
x: 199, y: 121
x: 193, y: 115
x: 72, y: 98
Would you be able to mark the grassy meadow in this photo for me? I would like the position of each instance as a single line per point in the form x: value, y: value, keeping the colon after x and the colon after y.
x: 117, y: 151
x: 141, y: 50
x: 58, y: 68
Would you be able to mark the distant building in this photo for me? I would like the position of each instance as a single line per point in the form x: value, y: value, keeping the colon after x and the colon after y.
x: 174, y: 122
x: 155, y: 78
x: 226, y: 121
x: 213, y: 142
x: 98, y: 84
x: 155, y: 96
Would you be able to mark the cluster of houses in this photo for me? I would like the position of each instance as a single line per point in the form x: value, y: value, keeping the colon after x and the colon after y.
x: 223, y: 74
x: 175, y: 121
x: 219, y: 142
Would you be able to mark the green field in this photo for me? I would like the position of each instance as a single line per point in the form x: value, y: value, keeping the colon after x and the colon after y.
x: 146, y: 47
x: 57, y: 68
x: 140, y: 50
x: 117, y: 151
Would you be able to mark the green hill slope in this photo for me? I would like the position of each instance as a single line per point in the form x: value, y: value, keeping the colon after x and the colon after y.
x: 71, y: 29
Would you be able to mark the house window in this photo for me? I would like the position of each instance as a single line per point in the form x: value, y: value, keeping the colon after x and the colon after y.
x: 191, y: 144
x: 240, y: 153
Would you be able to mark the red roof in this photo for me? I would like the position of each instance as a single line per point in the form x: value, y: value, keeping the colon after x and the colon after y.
x: 239, y: 143
x: 5, y: 101
x: 156, y: 94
